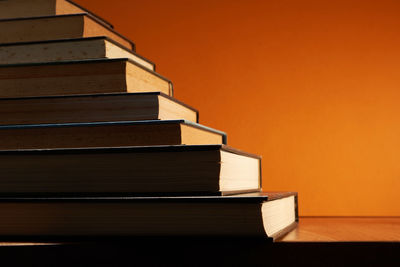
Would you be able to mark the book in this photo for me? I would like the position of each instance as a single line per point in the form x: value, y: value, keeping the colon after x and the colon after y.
x: 80, y: 77
x: 183, y: 169
x: 94, y: 108
x: 264, y: 215
x: 108, y: 134
x: 39, y: 8
x: 57, y: 27
x: 67, y: 50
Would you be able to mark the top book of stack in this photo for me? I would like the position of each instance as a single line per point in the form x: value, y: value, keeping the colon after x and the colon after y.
x: 79, y: 25
x: 42, y: 20
x: 10, y: 9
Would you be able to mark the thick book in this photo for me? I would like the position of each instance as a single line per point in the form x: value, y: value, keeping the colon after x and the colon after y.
x: 39, y: 8
x: 67, y: 50
x: 108, y: 134
x: 80, y: 77
x: 94, y: 108
x: 265, y: 215
x: 183, y: 169
x: 57, y: 27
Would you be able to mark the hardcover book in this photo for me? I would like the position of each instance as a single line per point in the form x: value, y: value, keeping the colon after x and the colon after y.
x: 80, y: 77
x: 57, y: 27
x: 68, y: 50
x: 39, y: 8
x: 108, y: 134
x: 268, y: 215
x: 184, y: 169
x: 94, y: 108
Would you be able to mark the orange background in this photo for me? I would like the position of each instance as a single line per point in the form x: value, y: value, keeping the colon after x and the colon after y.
x: 312, y: 86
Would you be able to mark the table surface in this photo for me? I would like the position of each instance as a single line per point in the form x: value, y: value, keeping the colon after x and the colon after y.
x: 315, y: 242
x: 345, y: 229
x: 323, y: 229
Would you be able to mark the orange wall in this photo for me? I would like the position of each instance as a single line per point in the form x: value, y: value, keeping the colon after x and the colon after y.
x: 312, y: 86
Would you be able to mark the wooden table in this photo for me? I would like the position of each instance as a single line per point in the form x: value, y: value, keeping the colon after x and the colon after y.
x: 345, y: 229
x: 316, y: 242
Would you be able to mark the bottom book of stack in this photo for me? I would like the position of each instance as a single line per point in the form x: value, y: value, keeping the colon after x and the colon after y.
x: 269, y: 215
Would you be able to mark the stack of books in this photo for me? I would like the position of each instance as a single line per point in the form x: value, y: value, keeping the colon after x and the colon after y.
x: 93, y: 144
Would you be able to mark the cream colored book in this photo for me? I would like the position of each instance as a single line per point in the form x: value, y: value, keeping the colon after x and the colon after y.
x: 39, y: 8
x: 68, y: 49
x: 80, y: 77
x: 33, y: 29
